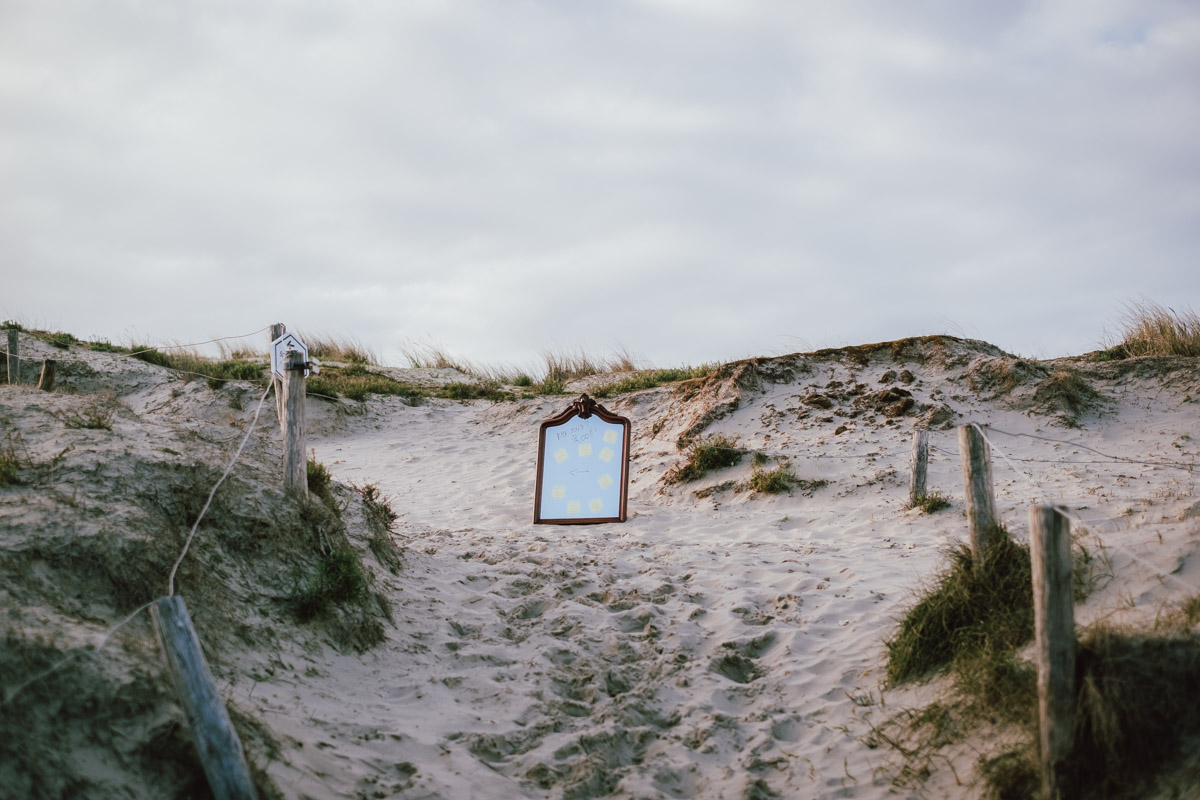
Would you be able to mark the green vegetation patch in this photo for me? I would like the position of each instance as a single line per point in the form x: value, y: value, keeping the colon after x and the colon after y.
x: 235, y: 370
x: 1067, y: 394
x: 486, y: 390
x: 968, y: 608
x: 320, y: 482
x: 1011, y: 775
x: 1109, y: 354
x: 105, y: 346
x: 355, y: 382
x: 1138, y: 710
x: 62, y: 340
x: 1136, y: 725
x: 152, y: 355
x: 718, y: 452
x: 380, y: 517
x: 339, y: 579
x: 14, y: 457
x: 649, y: 379
x: 97, y: 414
x: 773, y: 481
x: 192, y: 364
x: 336, y: 590
x: 779, y: 480
x: 932, y: 503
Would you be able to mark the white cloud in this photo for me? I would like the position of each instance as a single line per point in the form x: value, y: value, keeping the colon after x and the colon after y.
x: 699, y: 178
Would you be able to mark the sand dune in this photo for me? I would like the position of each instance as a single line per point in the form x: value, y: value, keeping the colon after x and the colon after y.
x: 719, y: 644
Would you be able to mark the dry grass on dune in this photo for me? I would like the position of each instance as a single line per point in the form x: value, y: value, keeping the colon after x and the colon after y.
x: 559, y: 367
x: 568, y: 365
x: 1150, y: 329
x: 430, y: 355
x: 345, y: 349
x: 565, y: 366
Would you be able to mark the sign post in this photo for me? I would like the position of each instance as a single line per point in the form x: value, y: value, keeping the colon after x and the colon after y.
x: 279, y: 351
x: 582, y: 466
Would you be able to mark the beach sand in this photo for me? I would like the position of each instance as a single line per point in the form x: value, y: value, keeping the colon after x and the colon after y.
x: 717, y: 644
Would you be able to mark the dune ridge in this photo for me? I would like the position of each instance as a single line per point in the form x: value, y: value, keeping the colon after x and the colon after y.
x: 721, y: 643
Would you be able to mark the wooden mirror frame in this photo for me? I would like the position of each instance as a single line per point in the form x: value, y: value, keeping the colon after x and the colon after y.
x: 584, y: 407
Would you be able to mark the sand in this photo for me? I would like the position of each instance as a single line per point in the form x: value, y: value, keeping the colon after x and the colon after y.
x: 728, y: 645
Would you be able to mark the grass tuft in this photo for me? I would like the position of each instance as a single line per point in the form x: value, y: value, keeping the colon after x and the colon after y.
x: 932, y: 503
x: 347, y: 350
x: 1011, y: 775
x: 718, y: 452
x: 335, y: 591
x: 320, y: 482
x: 1067, y: 394
x: 380, y: 517
x: 968, y: 610
x: 357, y: 383
x: 974, y: 621
x: 235, y: 370
x: 12, y: 459
x: 152, y: 355
x: 475, y: 391
x: 97, y: 415
x: 564, y: 366
x: 773, y: 481
x: 428, y: 355
x: 339, y: 580
x: 105, y: 346
x: 1150, y: 329
x: 1137, y: 709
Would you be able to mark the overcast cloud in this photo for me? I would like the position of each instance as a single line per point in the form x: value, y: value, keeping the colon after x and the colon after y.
x: 697, y: 180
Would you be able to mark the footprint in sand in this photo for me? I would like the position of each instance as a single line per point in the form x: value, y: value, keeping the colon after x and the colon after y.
x: 738, y: 662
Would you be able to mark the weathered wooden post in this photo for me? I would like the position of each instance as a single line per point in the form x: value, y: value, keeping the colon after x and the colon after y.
x: 295, y: 467
x: 217, y: 742
x: 1054, y: 631
x: 977, y: 483
x: 278, y: 329
x: 46, y: 379
x: 919, y: 461
x: 14, y: 356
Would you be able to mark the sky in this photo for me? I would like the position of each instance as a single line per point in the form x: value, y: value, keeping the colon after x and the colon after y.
x: 690, y: 180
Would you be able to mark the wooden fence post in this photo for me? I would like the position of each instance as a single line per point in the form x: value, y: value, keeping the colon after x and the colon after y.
x: 278, y: 329
x: 919, y: 461
x: 46, y: 380
x: 1054, y: 631
x: 14, y: 356
x: 977, y: 483
x: 295, y: 467
x: 216, y: 740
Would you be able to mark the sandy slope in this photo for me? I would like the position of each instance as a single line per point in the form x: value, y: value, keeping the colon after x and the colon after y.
x: 716, y: 647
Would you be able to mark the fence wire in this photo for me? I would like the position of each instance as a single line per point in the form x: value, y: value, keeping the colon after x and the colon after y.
x: 10, y: 695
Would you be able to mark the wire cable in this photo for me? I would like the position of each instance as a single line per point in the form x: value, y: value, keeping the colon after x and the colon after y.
x: 196, y: 344
x: 207, y: 503
x: 11, y: 695
x: 1076, y: 520
x: 1115, y: 459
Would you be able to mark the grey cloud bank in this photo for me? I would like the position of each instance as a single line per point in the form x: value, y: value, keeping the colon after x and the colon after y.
x: 699, y: 181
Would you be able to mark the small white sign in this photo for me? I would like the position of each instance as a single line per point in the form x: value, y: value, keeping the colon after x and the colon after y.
x: 279, y: 351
